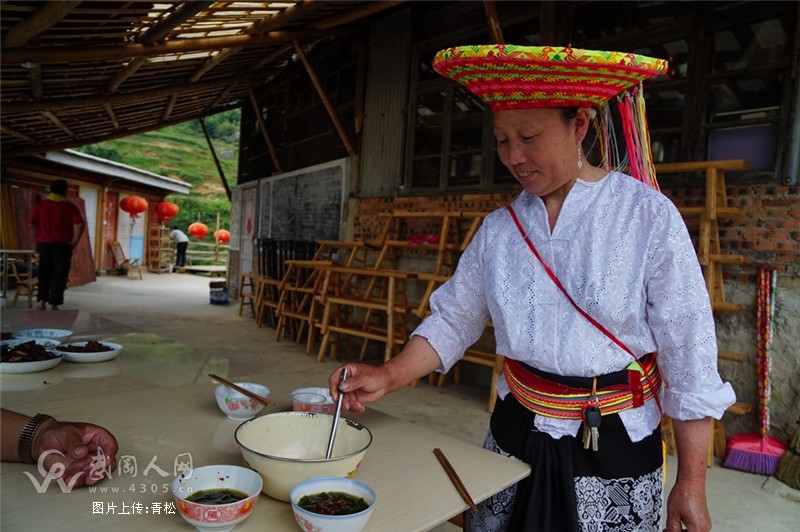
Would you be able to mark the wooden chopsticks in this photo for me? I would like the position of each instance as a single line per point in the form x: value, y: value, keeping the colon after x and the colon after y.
x: 462, y: 490
x: 242, y: 391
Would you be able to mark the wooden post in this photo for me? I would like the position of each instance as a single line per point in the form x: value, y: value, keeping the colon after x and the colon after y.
x: 494, y: 22
x: 216, y: 243
x: 216, y: 160
x: 331, y: 111
x: 262, y: 126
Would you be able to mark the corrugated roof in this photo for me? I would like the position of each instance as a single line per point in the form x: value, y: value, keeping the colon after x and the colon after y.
x: 90, y: 163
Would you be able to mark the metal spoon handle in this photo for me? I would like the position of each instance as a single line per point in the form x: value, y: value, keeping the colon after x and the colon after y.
x: 336, y: 416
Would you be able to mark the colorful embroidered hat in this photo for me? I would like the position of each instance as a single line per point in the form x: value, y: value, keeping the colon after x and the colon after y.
x: 507, y: 76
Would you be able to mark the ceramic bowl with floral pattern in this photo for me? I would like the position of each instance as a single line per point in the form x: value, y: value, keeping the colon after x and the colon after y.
x: 209, y: 517
x: 237, y: 406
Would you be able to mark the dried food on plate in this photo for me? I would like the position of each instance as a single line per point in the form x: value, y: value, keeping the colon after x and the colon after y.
x: 89, y: 351
x: 92, y: 346
x: 26, y: 352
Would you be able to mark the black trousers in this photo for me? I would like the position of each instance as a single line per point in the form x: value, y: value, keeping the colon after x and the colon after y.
x: 55, y: 259
x: 180, y: 248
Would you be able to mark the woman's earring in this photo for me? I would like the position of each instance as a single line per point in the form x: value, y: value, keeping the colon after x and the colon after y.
x: 580, y: 161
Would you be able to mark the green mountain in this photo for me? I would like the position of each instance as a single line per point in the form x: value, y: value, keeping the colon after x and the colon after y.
x: 182, y: 152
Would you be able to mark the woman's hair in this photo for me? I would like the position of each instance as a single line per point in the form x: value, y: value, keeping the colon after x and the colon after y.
x: 59, y: 186
x: 568, y: 114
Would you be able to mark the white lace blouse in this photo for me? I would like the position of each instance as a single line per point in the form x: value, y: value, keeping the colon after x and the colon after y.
x: 622, y: 251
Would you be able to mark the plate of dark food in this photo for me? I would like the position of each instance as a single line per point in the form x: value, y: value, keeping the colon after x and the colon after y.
x: 89, y: 351
x: 28, y: 357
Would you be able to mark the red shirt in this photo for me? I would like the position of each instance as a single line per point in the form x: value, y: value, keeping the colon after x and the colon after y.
x: 55, y: 221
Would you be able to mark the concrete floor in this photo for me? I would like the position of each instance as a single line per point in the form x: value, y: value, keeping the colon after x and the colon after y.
x: 177, y: 306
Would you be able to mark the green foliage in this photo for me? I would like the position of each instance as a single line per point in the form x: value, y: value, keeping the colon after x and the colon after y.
x: 181, y: 152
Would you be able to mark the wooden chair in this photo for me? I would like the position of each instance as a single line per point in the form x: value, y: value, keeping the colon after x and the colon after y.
x: 297, y: 302
x: 392, y: 308
x: 122, y: 263
x: 26, y: 285
x: 248, y: 292
x: 267, y: 297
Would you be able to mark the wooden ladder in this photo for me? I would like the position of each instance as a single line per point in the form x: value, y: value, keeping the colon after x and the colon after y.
x: 712, y: 260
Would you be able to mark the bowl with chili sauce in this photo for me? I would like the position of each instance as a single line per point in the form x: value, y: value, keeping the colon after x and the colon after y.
x: 332, y: 504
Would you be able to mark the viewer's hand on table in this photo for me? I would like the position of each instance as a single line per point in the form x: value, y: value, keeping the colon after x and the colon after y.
x: 364, y: 384
x: 81, y: 448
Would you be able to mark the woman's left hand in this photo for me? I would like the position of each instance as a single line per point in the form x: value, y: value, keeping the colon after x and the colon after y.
x: 687, y: 508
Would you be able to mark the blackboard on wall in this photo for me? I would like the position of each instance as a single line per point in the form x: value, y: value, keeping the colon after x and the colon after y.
x: 304, y: 205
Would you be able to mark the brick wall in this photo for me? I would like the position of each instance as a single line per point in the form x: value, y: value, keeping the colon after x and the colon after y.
x: 768, y: 234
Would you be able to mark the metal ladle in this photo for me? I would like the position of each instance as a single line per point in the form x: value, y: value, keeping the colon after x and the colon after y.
x: 336, y: 415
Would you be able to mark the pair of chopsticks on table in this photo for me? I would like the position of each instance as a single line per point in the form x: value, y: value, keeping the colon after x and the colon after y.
x: 454, y: 478
x: 241, y: 390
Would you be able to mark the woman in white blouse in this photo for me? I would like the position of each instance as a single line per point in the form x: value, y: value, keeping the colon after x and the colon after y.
x: 632, y: 286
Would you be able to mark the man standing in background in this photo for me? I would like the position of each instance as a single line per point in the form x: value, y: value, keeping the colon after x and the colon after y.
x: 59, y: 226
x: 181, y: 243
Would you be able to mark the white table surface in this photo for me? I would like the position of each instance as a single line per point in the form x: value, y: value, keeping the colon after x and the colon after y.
x: 150, y: 399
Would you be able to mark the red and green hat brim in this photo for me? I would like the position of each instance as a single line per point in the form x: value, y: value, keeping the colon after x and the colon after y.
x: 525, y: 77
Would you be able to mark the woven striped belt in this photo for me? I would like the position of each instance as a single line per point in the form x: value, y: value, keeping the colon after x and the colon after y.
x: 552, y: 399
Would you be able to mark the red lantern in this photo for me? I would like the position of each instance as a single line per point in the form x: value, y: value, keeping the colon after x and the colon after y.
x: 166, y: 210
x: 222, y: 236
x: 198, y: 230
x: 133, y: 205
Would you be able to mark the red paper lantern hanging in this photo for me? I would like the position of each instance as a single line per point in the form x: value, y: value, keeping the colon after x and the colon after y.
x: 222, y: 236
x: 133, y: 205
x: 166, y: 210
x: 198, y: 230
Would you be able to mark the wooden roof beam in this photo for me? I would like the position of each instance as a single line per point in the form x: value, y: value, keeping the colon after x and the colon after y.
x: 168, y: 108
x: 36, y: 24
x: 222, y: 95
x: 124, y: 52
x: 124, y: 73
x: 211, y: 62
x: 267, y: 59
x: 325, y: 100
x: 11, y: 152
x: 61, y: 125
x: 35, y: 77
x: 367, y: 9
x: 154, y: 34
x: 494, y: 22
x: 16, y: 134
x: 287, y: 16
x: 161, y: 29
x: 56, y: 104
x: 111, y: 115
x: 262, y: 126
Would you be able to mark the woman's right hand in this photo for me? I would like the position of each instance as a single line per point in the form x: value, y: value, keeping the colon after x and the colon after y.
x: 364, y: 384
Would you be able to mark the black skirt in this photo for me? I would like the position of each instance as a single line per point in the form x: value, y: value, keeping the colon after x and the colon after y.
x: 619, y: 485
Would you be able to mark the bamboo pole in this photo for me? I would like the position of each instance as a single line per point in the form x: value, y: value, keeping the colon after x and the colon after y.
x: 325, y: 101
x: 494, y: 22
x: 216, y: 160
x: 76, y: 54
x: 262, y: 126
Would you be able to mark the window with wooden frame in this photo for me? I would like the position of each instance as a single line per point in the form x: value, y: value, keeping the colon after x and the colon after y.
x: 450, y: 142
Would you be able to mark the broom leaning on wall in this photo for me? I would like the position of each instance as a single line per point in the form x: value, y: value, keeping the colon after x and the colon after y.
x: 759, y: 453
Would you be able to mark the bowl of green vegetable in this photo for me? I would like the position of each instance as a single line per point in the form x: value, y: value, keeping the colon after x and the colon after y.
x: 332, y: 504
x: 216, y: 498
